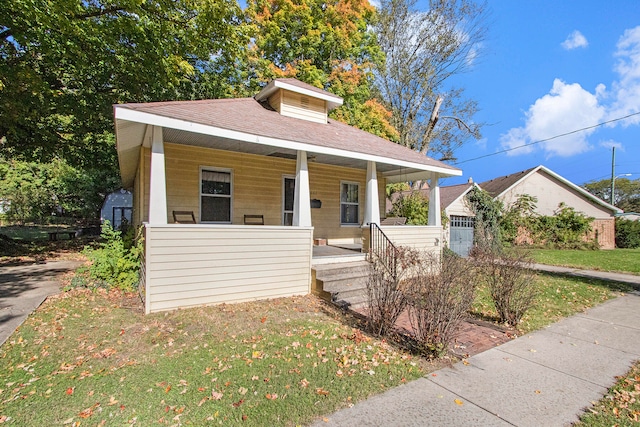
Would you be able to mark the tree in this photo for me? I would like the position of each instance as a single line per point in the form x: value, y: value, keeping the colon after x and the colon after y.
x: 627, y: 192
x: 35, y: 191
x: 328, y: 44
x: 424, y: 50
x: 63, y: 65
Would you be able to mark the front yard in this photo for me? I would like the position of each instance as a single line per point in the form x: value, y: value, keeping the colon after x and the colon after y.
x: 92, y: 357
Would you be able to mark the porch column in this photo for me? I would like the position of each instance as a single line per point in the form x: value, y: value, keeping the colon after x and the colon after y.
x: 157, y: 180
x: 434, y: 201
x: 302, y: 198
x: 371, y: 198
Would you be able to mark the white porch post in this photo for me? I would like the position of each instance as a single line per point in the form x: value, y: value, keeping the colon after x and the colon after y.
x: 302, y: 198
x: 434, y: 201
x: 157, y: 181
x: 371, y: 198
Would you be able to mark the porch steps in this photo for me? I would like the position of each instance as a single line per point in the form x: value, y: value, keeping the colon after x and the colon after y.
x: 344, y: 284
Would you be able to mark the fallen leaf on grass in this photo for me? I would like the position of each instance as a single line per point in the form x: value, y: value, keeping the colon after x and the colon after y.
x: 112, y: 401
x: 70, y: 390
x: 215, y: 395
x: 270, y: 396
x: 322, y: 391
x: 238, y: 403
x: 89, y: 411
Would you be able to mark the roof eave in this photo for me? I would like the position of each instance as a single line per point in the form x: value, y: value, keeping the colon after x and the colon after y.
x: 406, y: 169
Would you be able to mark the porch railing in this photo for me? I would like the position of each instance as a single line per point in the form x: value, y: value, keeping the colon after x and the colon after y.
x: 383, y: 249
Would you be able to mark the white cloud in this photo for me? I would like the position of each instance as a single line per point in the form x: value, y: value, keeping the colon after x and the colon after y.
x: 565, y: 108
x: 610, y: 143
x: 569, y: 107
x: 574, y: 41
x: 626, y: 90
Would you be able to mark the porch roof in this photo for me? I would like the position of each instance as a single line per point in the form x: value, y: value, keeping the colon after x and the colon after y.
x: 249, y: 126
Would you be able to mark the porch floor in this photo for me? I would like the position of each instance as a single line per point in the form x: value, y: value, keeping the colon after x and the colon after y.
x: 337, y: 253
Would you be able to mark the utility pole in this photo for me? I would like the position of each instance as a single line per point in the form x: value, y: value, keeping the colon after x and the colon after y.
x: 613, y: 173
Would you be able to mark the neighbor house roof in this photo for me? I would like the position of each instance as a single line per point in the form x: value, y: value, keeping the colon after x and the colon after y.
x: 229, y: 123
x: 498, y: 186
x: 451, y: 193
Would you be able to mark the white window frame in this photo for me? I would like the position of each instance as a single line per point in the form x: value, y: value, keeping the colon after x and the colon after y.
x: 284, y: 178
x: 349, y: 224
x: 230, y: 196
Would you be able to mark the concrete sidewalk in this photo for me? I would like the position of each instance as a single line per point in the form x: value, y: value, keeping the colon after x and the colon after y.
x: 24, y: 287
x: 546, y: 378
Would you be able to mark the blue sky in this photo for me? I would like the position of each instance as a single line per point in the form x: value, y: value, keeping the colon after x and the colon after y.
x: 552, y: 67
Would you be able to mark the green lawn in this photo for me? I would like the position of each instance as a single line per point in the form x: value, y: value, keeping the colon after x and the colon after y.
x: 618, y: 260
x: 81, y: 359
x: 30, y: 233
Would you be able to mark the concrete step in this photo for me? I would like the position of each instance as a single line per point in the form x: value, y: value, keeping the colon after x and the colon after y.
x: 344, y: 284
x: 330, y: 272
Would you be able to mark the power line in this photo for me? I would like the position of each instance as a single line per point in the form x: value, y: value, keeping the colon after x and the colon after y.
x: 549, y: 139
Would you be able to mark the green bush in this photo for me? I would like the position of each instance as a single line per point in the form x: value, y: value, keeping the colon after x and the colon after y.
x: 116, y: 262
x: 627, y: 233
x: 414, y: 207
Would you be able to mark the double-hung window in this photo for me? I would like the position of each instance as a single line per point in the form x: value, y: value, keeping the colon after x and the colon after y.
x: 349, y: 205
x: 215, y: 195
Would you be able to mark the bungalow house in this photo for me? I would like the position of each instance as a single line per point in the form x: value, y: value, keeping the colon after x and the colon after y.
x: 233, y: 193
x: 551, y: 189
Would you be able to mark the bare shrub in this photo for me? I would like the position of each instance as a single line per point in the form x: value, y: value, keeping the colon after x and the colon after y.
x: 385, y: 299
x: 511, y: 283
x: 439, y: 294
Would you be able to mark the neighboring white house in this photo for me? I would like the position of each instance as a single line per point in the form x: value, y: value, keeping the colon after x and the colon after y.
x: 117, y: 208
x: 223, y: 164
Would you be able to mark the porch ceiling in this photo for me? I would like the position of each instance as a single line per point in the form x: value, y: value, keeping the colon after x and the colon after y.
x: 177, y: 136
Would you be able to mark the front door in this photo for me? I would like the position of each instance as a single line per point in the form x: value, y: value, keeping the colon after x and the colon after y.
x: 288, y: 194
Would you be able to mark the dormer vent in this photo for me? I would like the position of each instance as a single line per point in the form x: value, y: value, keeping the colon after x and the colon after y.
x: 293, y: 98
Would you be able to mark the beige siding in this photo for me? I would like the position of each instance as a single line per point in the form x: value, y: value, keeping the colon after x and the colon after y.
x: 257, y: 187
x: 191, y: 265
x: 550, y: 193
x: 424, y: 238
x: 302, y: 107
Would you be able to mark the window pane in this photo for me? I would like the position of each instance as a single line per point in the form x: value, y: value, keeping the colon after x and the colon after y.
x: 288, y: 218
x: 349, y: 214
x: 216, y: 182
x: 216, y: 209
x: 289, y: 187
x: 349, y: 193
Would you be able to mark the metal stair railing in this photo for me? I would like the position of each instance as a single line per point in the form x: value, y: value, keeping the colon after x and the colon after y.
x: 383, y: 249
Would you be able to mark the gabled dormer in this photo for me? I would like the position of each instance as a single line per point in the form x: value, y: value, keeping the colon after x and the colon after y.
x: 293, y: 98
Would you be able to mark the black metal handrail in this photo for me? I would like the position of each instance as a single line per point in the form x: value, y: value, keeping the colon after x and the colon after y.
x: 383, y: 249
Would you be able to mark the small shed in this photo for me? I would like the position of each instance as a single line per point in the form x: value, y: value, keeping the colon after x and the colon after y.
x: 117, y: 208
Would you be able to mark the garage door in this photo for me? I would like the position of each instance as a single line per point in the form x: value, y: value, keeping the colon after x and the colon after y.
x: 461, y: 235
